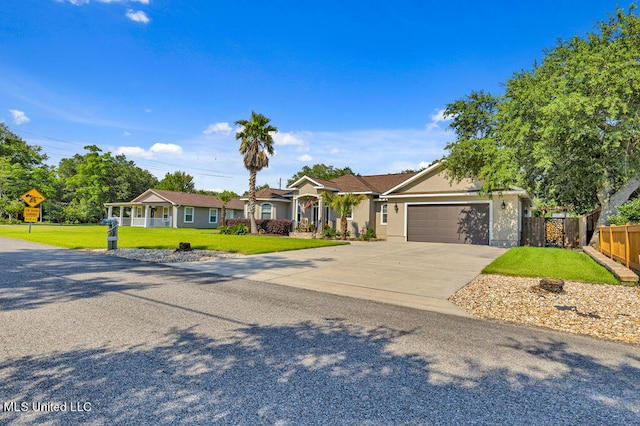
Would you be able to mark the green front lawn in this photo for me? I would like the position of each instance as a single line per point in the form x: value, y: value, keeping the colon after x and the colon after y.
x: 95, y: 237
x: 550, y: 263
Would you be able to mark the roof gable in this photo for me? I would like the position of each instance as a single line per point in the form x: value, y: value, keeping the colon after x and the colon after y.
x: 357, y: 184
x: 433, y: 179
x: 318, y: 183
x: 186, y: 199
x: 272, y: 194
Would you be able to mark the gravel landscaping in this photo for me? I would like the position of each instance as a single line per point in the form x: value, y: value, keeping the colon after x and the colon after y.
x: 167, y: 256
x: 598, y: 310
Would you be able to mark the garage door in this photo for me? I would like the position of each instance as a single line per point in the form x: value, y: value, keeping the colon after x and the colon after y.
x: 450, y: 223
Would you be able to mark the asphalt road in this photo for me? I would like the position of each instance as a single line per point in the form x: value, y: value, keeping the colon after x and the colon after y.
x: 104, y: 340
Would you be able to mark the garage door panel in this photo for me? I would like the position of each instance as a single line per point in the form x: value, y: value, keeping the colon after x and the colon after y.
x: 451, y: 223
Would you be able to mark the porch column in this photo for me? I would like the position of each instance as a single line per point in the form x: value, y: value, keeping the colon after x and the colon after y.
x: 109, y: 211
x: 146, y: 216
x: 320, y: 214
x: 294, y: 213
x: 121, y: 215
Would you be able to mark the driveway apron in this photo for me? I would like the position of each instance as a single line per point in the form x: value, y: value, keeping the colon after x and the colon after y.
x: 417, y: 275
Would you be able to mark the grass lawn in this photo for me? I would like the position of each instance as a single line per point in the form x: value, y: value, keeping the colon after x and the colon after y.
x: 95, y: 237
x: 550, y: 263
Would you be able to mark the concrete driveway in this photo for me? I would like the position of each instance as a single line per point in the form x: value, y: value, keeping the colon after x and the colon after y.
x: 417, y: 275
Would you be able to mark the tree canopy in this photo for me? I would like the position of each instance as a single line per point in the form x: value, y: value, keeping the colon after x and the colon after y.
x: 320, y: 171
x: 22, y: 167
x: 566, y: 130
x: 177, y: 181
x: 90, y: 180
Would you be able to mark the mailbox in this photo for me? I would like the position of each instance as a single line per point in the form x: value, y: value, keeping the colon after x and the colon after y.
x: 112, y: 233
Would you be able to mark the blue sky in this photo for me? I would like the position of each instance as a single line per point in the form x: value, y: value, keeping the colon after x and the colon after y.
x: 347, y: 83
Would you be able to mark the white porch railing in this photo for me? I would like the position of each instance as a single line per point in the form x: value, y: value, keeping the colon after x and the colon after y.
x: 152, y: 222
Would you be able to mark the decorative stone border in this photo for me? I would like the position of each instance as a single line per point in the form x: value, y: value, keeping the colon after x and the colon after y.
x: 624, y: 274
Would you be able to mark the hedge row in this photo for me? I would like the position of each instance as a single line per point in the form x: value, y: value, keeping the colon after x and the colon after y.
x: 269, y: 226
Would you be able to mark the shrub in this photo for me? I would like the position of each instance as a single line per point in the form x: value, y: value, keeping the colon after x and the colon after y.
x: 277, y: 226
x: 240, y: 229
x: 225, y: 230
x: 329, y: 232
x: 268, y: 226
x: 370, y: 234
x: 629, y: 212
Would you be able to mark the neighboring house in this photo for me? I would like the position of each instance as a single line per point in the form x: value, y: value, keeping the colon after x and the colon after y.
x: 168, y: 209
x: 270, y: 204
x: 422, y: 206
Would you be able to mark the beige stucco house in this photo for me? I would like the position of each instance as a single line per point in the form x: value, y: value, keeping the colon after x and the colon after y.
x: 157, y: 208
x: 423, y: 206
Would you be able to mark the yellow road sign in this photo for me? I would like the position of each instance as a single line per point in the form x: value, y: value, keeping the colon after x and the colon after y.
x: 31, y: 214
x: 32, y: 198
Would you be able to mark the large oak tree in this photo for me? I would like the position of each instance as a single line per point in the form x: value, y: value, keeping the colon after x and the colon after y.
x: 567, y: 130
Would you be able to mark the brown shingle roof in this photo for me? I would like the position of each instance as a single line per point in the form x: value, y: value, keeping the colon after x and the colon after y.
x: 352, y: 183
x: 372, y: 183
x: 272, y: 193
x: 383, y: 183
x: 195, y: 200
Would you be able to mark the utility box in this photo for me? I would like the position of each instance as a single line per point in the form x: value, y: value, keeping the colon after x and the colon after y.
x: 112, y: 233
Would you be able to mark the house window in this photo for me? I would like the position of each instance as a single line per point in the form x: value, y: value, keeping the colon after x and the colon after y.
x: 265, y: 210
x: 350, y: 215
x: 188, y: 214
x: 213, y: 215
x: 138, y: 211
x: 383, y: 215
x: 165, y: 214
x: 229, y: 214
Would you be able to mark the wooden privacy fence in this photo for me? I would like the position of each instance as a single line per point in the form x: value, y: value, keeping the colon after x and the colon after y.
x: 621, y: 243
x: 551, y: 232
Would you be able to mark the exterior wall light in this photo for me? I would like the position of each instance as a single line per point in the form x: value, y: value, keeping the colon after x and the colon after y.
x: 503, y: 205
x: 396, y: 207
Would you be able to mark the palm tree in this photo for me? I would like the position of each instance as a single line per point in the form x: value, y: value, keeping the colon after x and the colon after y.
x: 224, y: 197
x: 256, y: 143
x: 343, y: 204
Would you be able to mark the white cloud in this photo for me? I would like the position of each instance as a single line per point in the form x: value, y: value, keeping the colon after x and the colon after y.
x: 135, y: 152
x: 138, y: 16
x: 437, y: 118
x: 166, y: 148
x: 19, y: 117
x: 126, y: 134
x: 305, y: 158
x: 218, y: 128
x: 287, y: 139
x: 157, y: 148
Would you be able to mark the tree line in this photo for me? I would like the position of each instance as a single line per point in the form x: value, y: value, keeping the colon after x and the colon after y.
x: 77, y: 188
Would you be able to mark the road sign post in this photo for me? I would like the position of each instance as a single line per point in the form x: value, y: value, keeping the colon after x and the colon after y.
x: 31, y: 213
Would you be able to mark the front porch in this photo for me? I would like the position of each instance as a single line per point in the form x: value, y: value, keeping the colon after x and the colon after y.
x: 142, y: 215
x: 312, y: 216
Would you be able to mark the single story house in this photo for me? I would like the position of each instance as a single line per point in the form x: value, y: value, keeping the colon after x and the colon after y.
x: 169, y: 209
x: 423, y: 206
